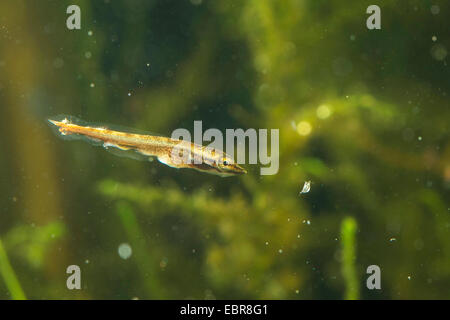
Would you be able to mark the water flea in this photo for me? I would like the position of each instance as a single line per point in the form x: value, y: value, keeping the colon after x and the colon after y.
x: 306, y: 187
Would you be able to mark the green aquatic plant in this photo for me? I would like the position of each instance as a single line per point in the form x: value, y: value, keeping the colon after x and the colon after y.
x: 9, y: 276
x: 348, y: 242
x: 144, y: 260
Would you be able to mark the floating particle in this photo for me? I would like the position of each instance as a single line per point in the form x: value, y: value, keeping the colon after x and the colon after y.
x: 92, y: 85
x: 323, y: 112
x: 88, y: 54
x: 435, y: 9
x: 419, y: 138
x: 409, y: 277
x: 297, y: 291
x: 438, y: 52
x: 148, y: 64
x: 58, y: 63
x: 304, y: 128
x: 86, y: 261
x: 267, y: 243
x: 125, y: 251
x: 306, y: 187
x: 129, y: 94
x: 293, y: 125
x: 434, y: 38
x: 392, y: 239
x: 90, y: 33
x: 280, y: 251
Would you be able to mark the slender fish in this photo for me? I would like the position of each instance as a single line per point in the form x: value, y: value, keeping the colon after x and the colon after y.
x: 172, y: 152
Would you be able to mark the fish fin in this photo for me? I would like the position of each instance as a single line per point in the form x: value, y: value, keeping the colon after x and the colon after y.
x: 118, y: 146
x: 167, y: 161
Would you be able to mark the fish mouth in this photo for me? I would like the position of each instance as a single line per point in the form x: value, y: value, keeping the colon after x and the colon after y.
x: 239, y: 170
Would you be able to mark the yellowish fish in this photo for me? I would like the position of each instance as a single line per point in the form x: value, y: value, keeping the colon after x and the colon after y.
x: 172, y: 152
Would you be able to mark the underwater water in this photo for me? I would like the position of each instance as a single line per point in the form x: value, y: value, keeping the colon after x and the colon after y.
x: 356, y: 206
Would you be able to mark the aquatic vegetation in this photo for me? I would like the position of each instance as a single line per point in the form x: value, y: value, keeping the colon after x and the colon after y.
x: 348, y: 242
x: 9, y: 277
x: 361, y: 113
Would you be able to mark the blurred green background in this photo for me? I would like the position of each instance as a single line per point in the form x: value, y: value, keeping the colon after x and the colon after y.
x: 362, y: 113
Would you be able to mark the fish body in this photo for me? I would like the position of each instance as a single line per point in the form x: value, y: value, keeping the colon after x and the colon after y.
x: 172, y: 152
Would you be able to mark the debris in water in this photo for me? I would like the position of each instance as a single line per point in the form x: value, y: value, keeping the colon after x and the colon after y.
x: 306, y: 187
x: 125, y: 251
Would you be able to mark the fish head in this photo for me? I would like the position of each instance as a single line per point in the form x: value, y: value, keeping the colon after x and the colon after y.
x: 227, y: 167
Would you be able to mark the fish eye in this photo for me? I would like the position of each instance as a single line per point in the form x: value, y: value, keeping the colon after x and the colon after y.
x: 225, y: 162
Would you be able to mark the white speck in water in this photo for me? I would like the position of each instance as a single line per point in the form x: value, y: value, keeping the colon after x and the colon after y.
x: 435, y: 9
x: 86, y: 261
x: 58, y: 63
x: 434, y: 38
x: 88, y: 54
x: 439, y: 52
x: 419, y: 138
x: 129, y: 94
x: 323, y: 111
x: 125, y: 251
x: 392, y: 239
x: 90, y: 33
x: 92, y: 85
x: 280, y: 251
x: 297, y: 291
x: 306, y: 187
x: 148, y: 64
x: 409, y: 277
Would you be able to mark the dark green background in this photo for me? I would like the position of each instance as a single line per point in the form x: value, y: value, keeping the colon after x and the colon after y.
x: 382, y: 156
